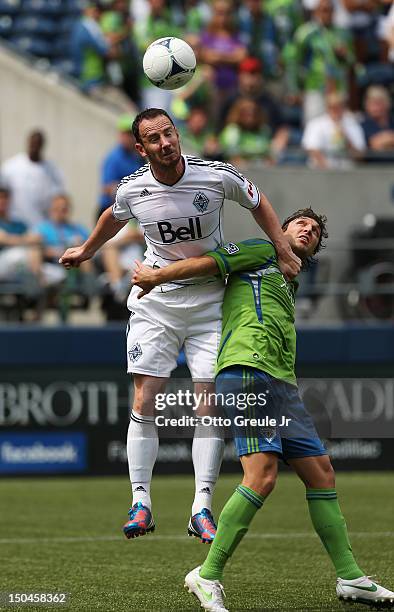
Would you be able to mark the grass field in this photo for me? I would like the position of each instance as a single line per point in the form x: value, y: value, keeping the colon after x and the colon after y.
x: 64, y: 536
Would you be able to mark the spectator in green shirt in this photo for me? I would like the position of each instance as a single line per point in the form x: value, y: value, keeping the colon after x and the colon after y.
x: 160, y: 22
x: 198, y: 136
x: 124, y: 71
x: 318, y: 60
x: 247, y: 134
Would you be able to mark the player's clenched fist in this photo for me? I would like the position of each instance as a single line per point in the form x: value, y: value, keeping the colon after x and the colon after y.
x: 145, y: 277
x: 289, y: 264
x: 73, y: 257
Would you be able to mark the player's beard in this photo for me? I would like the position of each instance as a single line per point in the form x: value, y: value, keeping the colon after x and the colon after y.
x: 301, y: 250
x: 166, y: 162
x: 172, y: 160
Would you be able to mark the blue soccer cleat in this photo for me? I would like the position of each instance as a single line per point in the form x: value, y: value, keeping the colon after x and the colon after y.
x: 202, y: 525
x: 140, y: 521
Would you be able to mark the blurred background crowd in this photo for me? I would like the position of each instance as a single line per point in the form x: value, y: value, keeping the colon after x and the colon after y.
x: 278, y: 82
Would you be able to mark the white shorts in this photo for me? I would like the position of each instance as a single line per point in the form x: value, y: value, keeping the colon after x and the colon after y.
x: 160, y: 323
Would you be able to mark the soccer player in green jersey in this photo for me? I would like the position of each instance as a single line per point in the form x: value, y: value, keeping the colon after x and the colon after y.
x: 256, y: 358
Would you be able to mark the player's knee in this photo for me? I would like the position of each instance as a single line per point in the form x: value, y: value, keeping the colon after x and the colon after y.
x: 261, y: 475
x: 263, y: 485
x: 325, y: 476
x: 328, y: 476
x: 143, y: 405
x: 145, y: 394
x: 268, y: 484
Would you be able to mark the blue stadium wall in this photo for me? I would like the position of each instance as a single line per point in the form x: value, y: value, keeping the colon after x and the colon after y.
x: 65, y: 397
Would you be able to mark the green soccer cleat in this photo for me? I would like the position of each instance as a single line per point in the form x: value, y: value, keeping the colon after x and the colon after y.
x: 209, y: 593
x: 364, y: 590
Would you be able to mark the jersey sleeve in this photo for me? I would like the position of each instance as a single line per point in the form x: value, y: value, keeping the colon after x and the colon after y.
x: 121, y: 209
x: 255, y: 254
x: 237, y: 187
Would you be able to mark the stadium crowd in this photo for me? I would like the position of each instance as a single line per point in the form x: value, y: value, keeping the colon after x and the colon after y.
x: 266, y: 70
x: 277, y: 82
x: 36, y: 227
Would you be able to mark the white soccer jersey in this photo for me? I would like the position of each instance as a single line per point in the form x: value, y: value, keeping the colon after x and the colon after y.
x: 185, y: 219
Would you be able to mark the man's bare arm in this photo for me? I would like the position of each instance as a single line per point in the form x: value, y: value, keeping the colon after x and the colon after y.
x: 266, y: 217
x: 317, y: 158
x: 107, y: 226
x: 147, y: 278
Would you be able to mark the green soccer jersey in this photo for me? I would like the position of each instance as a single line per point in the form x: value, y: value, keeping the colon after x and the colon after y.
x: 258, y: 310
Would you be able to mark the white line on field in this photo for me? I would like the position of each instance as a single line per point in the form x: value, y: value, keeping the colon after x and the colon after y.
x: 158, y: 537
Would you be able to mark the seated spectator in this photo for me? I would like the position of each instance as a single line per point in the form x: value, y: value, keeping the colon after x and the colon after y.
x: 251, y: 85
x: 220, y: 47
x: 118, y: 257
x: 335, y: 139
x: 19, y: 248
x: 90, y: 50
x: 198, y: 136
x: 317, y: 61
x: 247, y: 135
x: 58, y: 233
x: 32, y: 181
x: 121, y: 161
x: 378, y: 123
x: 258, y: 33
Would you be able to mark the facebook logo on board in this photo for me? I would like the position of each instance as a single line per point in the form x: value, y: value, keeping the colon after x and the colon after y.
x: 38, y: 453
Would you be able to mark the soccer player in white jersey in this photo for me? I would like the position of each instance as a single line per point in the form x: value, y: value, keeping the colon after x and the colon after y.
x: 178, y: 201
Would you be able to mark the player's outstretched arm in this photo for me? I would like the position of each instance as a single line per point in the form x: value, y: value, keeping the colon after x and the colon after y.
x: 107, y: 226
x: 289, y: 263
x: 147, y: 278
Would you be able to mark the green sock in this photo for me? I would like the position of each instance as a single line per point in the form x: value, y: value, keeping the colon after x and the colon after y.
x: 234, y: 522
x: 330, y: 525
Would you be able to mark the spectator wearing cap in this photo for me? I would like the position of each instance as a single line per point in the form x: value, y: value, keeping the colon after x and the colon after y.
x: 32, y: 181
x: 378, y: 123
x: 121, y: 161
x: 251, y: 85
x: 335, y: 139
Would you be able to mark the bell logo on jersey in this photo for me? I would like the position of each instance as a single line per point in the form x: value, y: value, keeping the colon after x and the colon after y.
x: 187, y: 232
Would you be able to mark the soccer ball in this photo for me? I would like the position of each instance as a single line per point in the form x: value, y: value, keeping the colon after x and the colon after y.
x: 169, y: 63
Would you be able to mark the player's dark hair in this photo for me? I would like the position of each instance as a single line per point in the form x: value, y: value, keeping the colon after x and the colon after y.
x: 148, y: 113
x: 321, y: 220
